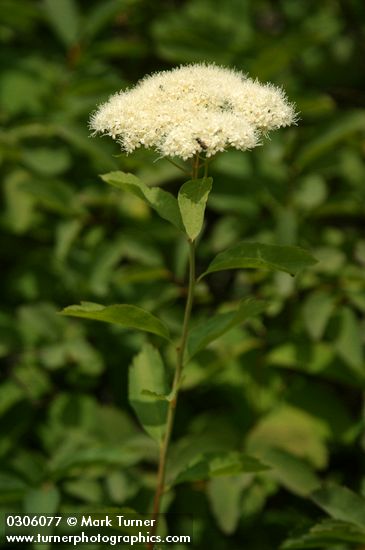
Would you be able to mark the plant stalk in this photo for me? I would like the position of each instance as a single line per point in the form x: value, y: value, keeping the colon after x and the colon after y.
x: 175, y: 391
x: 161, y: 474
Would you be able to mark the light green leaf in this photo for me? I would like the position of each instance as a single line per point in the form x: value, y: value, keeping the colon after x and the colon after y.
x: 210, y: 465
x: 341, y: 504
x: 126, y: 315
x: 349, y: 345
x: 289, y: 259
x: 317, y: 310
x: 132, y: 451
x: 201, y: 335
x: 42, y: 500
x: 192, y: 200
x: 64, y: 17
x: 292, y: 472
x: 292, y: 430
x: 19, y: 204
x: 158, y: 396
x: 326, y: 533
x: 47, y: 161
x: 161, y: 201
x: 147, y: 373
x: 88, y: 490
x: 225, y: 496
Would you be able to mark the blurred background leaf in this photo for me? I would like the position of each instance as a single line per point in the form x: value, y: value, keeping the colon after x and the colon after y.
x: 286, y: 387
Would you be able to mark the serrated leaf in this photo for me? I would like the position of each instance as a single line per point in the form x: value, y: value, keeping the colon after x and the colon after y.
x: 147, y: 374
x: 289, y: 259
x: 341, y: 504
x: 192, y: 200
x: 210, y: 465
x: 161, y: 201
x: 126, y: 315
x: 324, y: 533
x: 200, y: 336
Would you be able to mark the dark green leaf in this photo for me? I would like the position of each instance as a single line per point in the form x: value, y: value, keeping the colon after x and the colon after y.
x: 147, y: 375
x: 192, y: 200
x: 289, y: 259
x: 201, y: 335
x: 338, y: 130
x: 64, y: 17
x: 126, y: 315
x: 163, y: 202
x: 55, y: 195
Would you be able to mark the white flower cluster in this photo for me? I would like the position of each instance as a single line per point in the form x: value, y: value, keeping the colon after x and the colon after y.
x: 193, y: 109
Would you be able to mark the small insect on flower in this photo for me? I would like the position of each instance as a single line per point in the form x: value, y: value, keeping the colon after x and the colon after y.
x: 203, y: 145
x: 192, y: 109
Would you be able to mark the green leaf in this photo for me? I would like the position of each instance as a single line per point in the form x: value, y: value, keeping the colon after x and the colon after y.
x: 325, y: 533
x: 225, y: 496
x: 349, y: 345
x: 292, y: 472
x: 64, y: 17
x: 192, y: 200
x: 341, y: 504
x: 12, y: 487
x: 201, y: 335
x: 210, y: 465
x: 317, y: 310
x: 124, y: 455
x: 161, y: 201
x: 126, y: 315
x: 338, y: 130
x: 147, y: 374
x: 53, y: 195
x: 42, y: 500
x: 19, y: 204
x: 158, y: 396
x: 289, y: 259
x: 293, y: 430
x: 47, y: 161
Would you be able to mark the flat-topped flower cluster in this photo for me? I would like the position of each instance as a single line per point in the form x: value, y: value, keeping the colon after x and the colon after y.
x: 193, y: 109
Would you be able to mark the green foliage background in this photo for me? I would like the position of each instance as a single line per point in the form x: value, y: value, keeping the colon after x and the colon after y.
x: 287, y: 388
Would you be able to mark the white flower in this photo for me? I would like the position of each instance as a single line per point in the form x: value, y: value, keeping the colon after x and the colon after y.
x: 193, y: 109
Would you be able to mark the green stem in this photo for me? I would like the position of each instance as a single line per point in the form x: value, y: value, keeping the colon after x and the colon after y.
x: 175, y: 391
x: 206, y: 162
x: 161, y: 474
